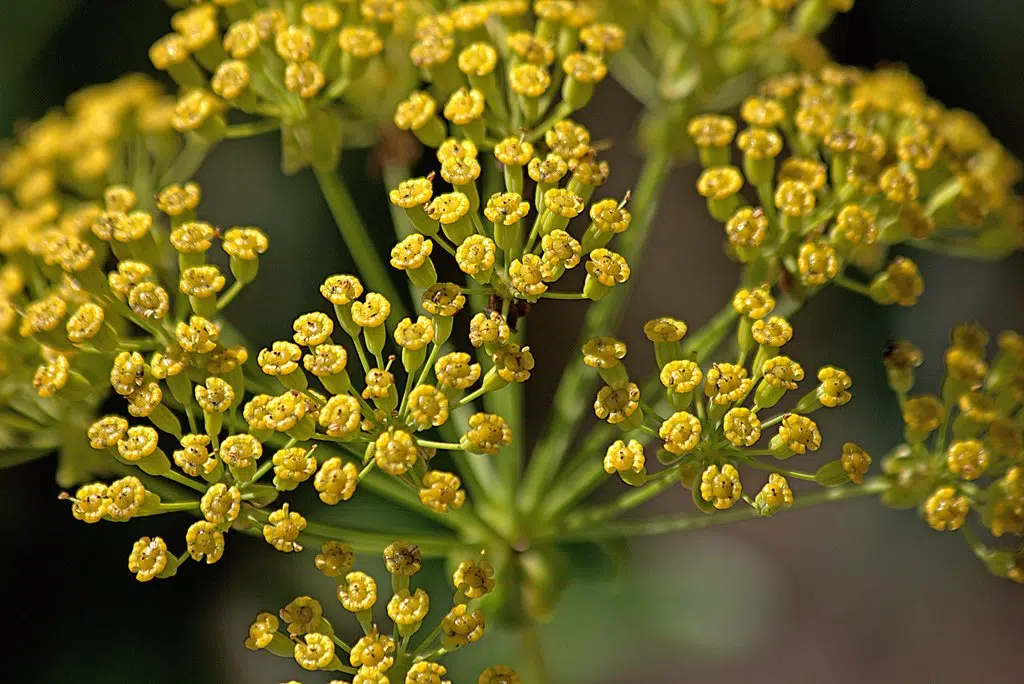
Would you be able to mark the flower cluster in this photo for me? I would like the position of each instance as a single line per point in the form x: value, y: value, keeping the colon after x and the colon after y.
x: 963, y: 448
x: 687, y: 57
x: 295, y: 67
x: 716, y: 424
x: 511, y: 97
x: 302, y: 632
x: 846, y: 163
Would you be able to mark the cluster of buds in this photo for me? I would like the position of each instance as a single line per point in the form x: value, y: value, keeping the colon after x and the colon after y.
x: 963, y: 448
x: 716, y: 422
x: 872, y: 162
x: 294, y: 66
x: 49, y: 178
x: 692, y: 56
x: 303, y: 632
x: 84, y: 332
x: 500, y: 95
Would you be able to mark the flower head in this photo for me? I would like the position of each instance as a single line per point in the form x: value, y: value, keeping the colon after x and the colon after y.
x: 720, y: 487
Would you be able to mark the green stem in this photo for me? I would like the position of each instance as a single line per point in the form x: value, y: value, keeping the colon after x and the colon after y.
x: 567, y: 410
x: 575, y: 296
x: 691, y: 521
x: 252, y: 128
x: 447, y: 446
x: 182, y: 480
x: 357, y: 238
x: 230, y: 295
x: 533, y: 656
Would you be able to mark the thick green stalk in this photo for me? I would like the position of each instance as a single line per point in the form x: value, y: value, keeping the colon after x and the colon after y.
x: 533, y: 656
x: 602, y: 318
x: 358, y: 239
x: 583, y: 528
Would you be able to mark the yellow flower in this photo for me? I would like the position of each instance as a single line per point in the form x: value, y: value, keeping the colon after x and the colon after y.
x: 607, y: 267
x: 507, y: 208
x: 415, y: 111
x: 807, y: 171
x: 794, y: 199
x: 531, y: 48
x: 336, y: 481
x: 312, y: 329
x: 149, y: 301
x: 198, y: 336
x: 240, y: 451
x: 221, y: 504
x: 603, y: 352
x: 460, y: 627
x: 261, y: 631
x: 782, y: 372
x: 335, y: 559
x: 85, y: 323
x: 487, y: 434
x: 758, y: 143
x: 712, y: 130
x: 967, y: 459
x: 856, y: 225
x: 622, y: 457
x: 106, y: 432
x: 314, y: 652
x: 720, y: 183
x: 204, y: 540
x: 965, y: 366
x: 280, y: 359
x: 603, y: 38
x: 442, y: 299
x: 476, y: 254
x: 361, y: 42
x: 681, y: 432
x: 568, y: 139
x: 407, y: 609
x: 127, y: 276
x: 499, y: 674
x: 528, y: 275
x: 609, y: 217
x: 755, y: 304
x: 395, y: 451
x: 549, y: 170
x: 465, y: 106
x: 428, y: 406
x: 561, y: 249
x: 474, y: 579
x: 293, y: 465
x: 762, y: 112
x: 51, y: 377
x: 665, y: 329
x: 900, y: 283
x: 741, y: 427
x: 448, y: 208
x: 460, y: 171
x: 617, y: 402
x: 513, y: 364
x: 681, y: 376
x: 798, y: 434
x: 403, y: 558
x: 372, y: 312
x: 529, y: 80
x: 89, y: 502
x: 358, y: 593
x: 124, y: 499
x: 924, y: 413
x: 773, y: 332
x: 43, y: 315
x: 834, y: 385
x: 513, y: 152
x: 414, y: 336
x: 564, y: 203
x: 944, y: 510
x: 302, y: 615
x: 727, y: 383
x: 456, y: 370
x: 342, y: 290
x: 283, y: 528
x: 379, y: 384
x: 326, y: 360
x: 817, y: 262
x: 855, y: 462
x: 747, y: 228
x: 899, y: 186
x: 425, y: 672
x: 231, y: 79
x: 721, y: 488
x: 373, y: 650
x: 148, y: 559
x: 774, y: 496
x: 138, y: 442
x: 442, y: 491
x: 215, y: 396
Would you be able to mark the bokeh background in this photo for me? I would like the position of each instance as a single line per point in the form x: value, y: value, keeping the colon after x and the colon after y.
x: 846, y: 593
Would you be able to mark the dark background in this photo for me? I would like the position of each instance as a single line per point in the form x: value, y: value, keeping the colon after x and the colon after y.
x: 847, y: 593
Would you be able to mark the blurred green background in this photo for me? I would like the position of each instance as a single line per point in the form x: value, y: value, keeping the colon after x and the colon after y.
x: 847, y: 593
